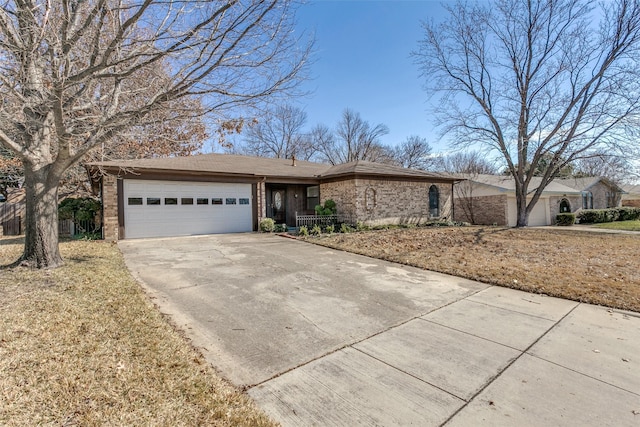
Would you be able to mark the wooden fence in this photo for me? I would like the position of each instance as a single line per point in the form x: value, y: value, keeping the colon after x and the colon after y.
x: 11, y: 215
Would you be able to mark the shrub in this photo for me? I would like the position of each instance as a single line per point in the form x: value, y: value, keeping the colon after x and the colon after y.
x: 346, y: 228
x: 565, y: 219
x: 83, y: 212
x: 596, y: 216
x: 80, y: 209
x: 281, y: 228
x: 628, y: 214
x: 361, y: 226
x: 380, y: 227
x: 303, y: 231
x: 331, y: 205
x: 329, y: 208
x: 267, y: 225
x: 316, y: 230
x: 329, y: 229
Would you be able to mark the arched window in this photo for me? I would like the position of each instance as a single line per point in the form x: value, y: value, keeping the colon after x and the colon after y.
x: 587, y: 200
x: 434, y: 201
x: 565, y: 206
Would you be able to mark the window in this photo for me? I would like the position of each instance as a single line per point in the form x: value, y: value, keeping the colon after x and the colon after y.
x: 216, y: 201
x: 170, y: 200
x: 230, y: 201
x: 313, y: 197
x: 565, y: 206
x: 244, y: 201
x: 587, y: 200
x: 134, y: 201
x: 153, y: 200
x: 434, y: 201
x: 186, y: 201
x: 203, y: 201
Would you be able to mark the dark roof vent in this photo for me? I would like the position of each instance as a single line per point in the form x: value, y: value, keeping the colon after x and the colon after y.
x: 293, y: 160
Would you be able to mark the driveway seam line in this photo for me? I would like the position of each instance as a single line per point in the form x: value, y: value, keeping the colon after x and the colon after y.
x: 582, y: 373
x: 472, y: 335
x: 512, y: 310
x: 351, y: 344
x: 508, y: 365
x: 410, y: 374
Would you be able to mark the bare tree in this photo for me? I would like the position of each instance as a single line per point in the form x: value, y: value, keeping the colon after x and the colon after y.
x: 11, y: 172
x: 469, y: 165
x: 468, y: 162
x: 279, y: 133
x: 76, y: 74
x: 354, y: 139
x: 323, y: 140
x: 615, y: 167
x: 414, y: 153
x: 536, y: 80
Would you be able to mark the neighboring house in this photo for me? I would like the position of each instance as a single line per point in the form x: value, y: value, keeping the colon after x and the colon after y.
x: 596, y: 192
x: 631, y: 196
x: 218, y: 193
x: 491, y: 199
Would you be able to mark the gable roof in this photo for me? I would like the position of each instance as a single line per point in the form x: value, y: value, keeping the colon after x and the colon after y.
x: 362, y: 167
x: 505, y: 183
x: 227, y: 164
x: 584, y: 184
x: 632, y: 189
x: 237, y: 165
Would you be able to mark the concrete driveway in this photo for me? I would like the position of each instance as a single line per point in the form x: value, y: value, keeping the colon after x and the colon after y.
x: 323, y: 337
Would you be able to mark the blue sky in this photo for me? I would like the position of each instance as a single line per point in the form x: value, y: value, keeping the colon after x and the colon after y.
x: 363, y: 62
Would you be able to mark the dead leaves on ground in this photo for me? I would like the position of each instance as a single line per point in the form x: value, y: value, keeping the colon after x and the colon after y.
x: 589, y: 267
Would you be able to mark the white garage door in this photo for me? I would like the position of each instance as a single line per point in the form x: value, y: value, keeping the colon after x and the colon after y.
x: 174, y: 208
x: 538, y: 216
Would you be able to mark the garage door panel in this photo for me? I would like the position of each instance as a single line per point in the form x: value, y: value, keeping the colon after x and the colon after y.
x: 537, y: 217
x: 181, y: 219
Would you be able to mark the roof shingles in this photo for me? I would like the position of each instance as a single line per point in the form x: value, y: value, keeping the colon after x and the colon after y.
x: 262, y: 166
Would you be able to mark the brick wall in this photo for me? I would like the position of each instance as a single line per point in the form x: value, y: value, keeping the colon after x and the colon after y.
x: 632, y: 203
x: 343, y: 193
x: 378, y: 201
x: 261, y: 201
x: 110, y: 207
x: 482, y: 210
x: 554, y: 205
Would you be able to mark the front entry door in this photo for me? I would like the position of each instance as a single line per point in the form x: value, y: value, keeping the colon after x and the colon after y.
x: 278, y: 205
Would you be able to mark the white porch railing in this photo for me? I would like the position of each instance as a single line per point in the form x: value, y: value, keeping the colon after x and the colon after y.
x: 322, y: 220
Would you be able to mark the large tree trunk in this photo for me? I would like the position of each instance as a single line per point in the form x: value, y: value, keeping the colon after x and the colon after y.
x: 522, y: 215
x: 41, y: 217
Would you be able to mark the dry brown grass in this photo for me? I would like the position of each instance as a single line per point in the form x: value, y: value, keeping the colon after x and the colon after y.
x: 583, y: 266
x: 82, y: 345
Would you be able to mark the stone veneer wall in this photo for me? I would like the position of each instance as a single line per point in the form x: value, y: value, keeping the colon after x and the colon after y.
x: 110, y: 207
x: 487, y: 210
x: 379, y: 201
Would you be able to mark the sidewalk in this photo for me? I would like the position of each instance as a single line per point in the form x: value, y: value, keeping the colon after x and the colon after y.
x: 589, y: 228
x: 499, y: 357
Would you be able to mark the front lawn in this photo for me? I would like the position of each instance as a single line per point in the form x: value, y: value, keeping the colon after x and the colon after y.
x: 584, y: 266
x: 82, y: 345
x: 621, y: 225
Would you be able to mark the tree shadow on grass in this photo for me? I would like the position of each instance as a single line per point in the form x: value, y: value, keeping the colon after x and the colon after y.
x: 482, y: 232
x: 11, y: 240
